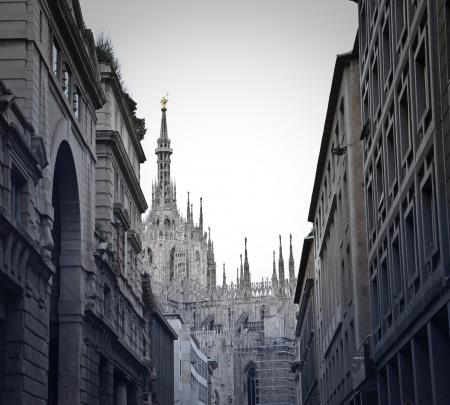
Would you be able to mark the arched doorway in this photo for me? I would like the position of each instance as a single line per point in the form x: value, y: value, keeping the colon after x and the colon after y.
x: 65, y: 255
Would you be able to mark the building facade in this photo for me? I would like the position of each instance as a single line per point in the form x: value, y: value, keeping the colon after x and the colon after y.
x: 73, y: 325
x: 163, y: 359
x: 404, y: 87
x: 306, y: 362
x: 117, y: 303
x: 337, y: 212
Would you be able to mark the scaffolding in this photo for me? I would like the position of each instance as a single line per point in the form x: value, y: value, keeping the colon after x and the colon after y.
x: 275, y: 380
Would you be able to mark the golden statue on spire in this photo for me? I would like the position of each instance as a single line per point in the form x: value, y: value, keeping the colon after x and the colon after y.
x: 164, y: 102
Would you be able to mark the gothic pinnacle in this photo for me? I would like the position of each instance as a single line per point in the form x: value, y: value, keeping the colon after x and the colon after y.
x: 281, y: 269
x: 201, y: 214
x: 188, y: 214
x: 291, y: 260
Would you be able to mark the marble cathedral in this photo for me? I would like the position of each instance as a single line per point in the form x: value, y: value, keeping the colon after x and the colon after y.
x: 246, y: 326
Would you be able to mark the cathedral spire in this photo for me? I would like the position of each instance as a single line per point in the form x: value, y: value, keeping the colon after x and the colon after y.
x: 281, y: 269
x: 274, y: 272
x: 246, y: 266
x: 274, y: 277
x: 291, y: 260
x: 163, y: 192
x: 200, y: 224
x: 242, y: 272
x: 192, y: 213
x: 188, y: 213
x: 237, y: 276
x: 224, y: 277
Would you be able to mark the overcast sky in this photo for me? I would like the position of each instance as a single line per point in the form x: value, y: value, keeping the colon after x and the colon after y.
x: 248, y: 84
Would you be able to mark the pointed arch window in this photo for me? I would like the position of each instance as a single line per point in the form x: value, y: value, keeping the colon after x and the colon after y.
x: 251, y: 386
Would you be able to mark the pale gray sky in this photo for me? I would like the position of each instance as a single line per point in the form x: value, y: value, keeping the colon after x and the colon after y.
x: 248, y: 84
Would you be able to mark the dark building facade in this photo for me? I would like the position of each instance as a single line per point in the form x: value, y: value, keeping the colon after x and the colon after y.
x: 404, y: 90
x: 341, y: 283
x: 306, y: 364
x: 162, y: 337
x: 73, y: 323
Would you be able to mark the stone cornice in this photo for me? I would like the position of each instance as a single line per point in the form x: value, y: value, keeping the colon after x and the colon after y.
x: 122, y: 214
x: 110, y: 76
x: 113, y: 138
x: 135, y: 240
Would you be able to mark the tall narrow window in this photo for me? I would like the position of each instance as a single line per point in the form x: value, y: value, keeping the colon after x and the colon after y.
x: 66, y: 80
x: 17, y: 186
x: 76, y: 101
x: 379, y: 179
x: 375, y: 86
x: 56, y: 55
x: 387, y: 59
x: 363, y: 26
x: 375, y: 304
x: 400, y: 18
x: 410, y: 245
x: 391, y: 160
x: 107, y: 302
x: 385, y: 288
x: 397, y: 270
x: 422, y: 82
x: 251, y: 386
x: 404, y: 124
x: 370, y: 207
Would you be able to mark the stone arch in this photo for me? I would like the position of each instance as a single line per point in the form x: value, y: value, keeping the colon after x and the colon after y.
x: 65, y: 297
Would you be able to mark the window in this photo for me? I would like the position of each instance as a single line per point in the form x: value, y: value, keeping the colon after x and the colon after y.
x: 397, y: 267
x: 76, y: 101
x: 363, y: 26
x: 385, y: 289
x: 391, y: 157
x: 410, y: 250
x: 379, y: 179
x: 251, y: 386
x: 430, y: 243
x: 422, y: 81
x: 404, y: 125
x: 17, y: 186
x: 107, y: 302
x: 387, y: 59
x: 400, y: 19
x: 66, y: 80
x: 375, y: 85
x: 56, y: 56
x: 375, y: 300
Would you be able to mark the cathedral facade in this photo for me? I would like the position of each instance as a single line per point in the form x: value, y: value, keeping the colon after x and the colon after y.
x: 246, y: 326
